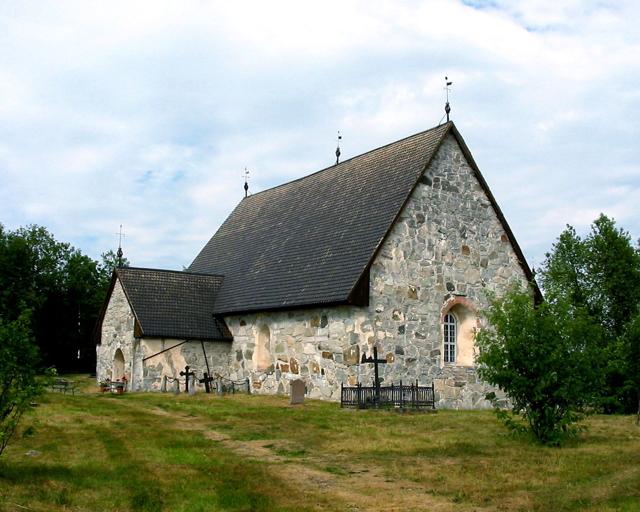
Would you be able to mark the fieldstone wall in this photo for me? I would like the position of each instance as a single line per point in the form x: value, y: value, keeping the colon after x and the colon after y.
x: 118, y: 333
x: 447, y: 248
x: 173, y: 361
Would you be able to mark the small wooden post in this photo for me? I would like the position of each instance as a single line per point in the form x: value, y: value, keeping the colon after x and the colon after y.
x: 433, y: 396
x: 401, y: 395
x: 248, y: 386
x: 414, y: 392
x: 359, y: 398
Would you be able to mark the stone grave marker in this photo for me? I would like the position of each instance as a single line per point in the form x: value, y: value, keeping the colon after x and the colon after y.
x: 297, y: 391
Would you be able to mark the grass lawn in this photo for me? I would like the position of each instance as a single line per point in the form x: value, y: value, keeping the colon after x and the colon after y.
x: 152, y: 452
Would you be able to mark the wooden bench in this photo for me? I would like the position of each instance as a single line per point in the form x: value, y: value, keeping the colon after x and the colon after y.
x: 64, y: 385
x: 113, y: 386
x: 117, y: 387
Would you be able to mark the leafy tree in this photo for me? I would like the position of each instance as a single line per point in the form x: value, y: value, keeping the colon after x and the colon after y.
x: 542, y: 356
x: 110, y: 263
x: 600, y: 273
x: 18, y: 382
x: 17, y: 289
x: 629, y: 347
x: 564, y: 273
x: 614, y: 268
x: 62, y: 288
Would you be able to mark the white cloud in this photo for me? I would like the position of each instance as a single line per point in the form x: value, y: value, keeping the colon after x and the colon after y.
x: 145, y: 113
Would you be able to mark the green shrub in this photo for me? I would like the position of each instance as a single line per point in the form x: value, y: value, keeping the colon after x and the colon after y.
x: 18, y: 379
x: 542, y: 356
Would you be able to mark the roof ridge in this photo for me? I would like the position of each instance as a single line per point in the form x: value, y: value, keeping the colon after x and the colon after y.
x: 349, y: 159
x: 181, y: 272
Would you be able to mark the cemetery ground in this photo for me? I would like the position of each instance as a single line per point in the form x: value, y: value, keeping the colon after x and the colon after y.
x: 152, y: 452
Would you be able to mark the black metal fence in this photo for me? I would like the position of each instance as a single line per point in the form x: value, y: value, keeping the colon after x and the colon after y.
x: 225, y: 386
x: 402, y: 396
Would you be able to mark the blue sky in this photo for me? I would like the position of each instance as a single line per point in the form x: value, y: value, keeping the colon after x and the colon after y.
x: 146, y: 113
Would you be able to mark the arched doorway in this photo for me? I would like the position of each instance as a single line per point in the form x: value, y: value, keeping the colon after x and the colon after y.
x: 118, y: 366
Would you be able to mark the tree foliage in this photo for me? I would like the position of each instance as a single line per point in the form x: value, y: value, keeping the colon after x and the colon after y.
x: 62, y: 289
x: 600, y: 273
x: 18, y: 380
x: 629, y: 357
x: 542, y: 356
x: 50, y: 298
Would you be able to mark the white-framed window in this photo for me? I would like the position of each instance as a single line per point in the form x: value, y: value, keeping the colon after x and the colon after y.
x: 450, y: 337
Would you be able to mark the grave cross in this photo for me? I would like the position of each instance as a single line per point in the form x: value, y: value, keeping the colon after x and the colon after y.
x: 375, y: 361
x: 207, y: 380
x: 187, y: 375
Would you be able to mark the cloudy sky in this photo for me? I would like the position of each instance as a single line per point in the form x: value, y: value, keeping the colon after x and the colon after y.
x: 146, y: 113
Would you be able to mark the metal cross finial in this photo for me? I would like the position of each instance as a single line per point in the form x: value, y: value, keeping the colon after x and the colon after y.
x: 119, y: 254
x: 121, y: 235
x: 338, y: 148
x: 447, y: 107
x: 246, y: 184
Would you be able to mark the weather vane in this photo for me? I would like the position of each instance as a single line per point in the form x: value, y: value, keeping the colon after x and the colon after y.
x: 245, y: 175
x: 338, y: 148
x: 447, y: 107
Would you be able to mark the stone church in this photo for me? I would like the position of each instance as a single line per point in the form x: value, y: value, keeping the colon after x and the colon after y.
x: 395, y: 248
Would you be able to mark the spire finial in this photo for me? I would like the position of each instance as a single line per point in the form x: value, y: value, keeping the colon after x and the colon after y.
x: 246, y: 182
x: 119, y: 254
x: 338, y: 148
x: 447, y: 107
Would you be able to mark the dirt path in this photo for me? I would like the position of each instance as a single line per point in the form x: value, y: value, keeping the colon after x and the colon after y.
x: 356, y: 488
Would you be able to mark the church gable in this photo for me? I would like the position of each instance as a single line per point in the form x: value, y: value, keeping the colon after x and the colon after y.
x: 165, y: 304
x: 429, y: 281
x: 450, y: 236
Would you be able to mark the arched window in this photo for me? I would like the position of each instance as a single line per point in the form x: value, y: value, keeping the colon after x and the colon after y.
x: 459, y: 326
x: 450, y: 338
x: 262, y: 351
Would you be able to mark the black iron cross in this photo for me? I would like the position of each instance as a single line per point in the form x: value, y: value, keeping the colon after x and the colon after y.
x: 207, y: 380
x: 375, y: 361
x: 187, y: 374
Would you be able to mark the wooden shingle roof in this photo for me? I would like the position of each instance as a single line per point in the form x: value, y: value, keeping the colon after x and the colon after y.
x: 173, y: 304
x: 310, y: 241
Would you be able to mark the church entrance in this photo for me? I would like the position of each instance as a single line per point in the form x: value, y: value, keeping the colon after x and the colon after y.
x: 117, y: 373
